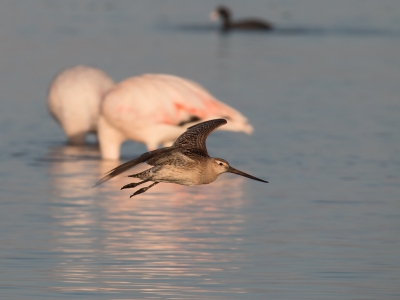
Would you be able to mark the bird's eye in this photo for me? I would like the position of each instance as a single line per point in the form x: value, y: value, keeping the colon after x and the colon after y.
x: 221, y: 164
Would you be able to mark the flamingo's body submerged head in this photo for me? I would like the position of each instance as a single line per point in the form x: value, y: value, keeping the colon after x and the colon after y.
x: 156, y: 109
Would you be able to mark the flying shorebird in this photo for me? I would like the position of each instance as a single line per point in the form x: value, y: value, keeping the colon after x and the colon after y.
x: 186, y: 162
x: 155, y: 109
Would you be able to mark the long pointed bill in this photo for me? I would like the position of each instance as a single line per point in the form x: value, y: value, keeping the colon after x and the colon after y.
x: 235, y: 171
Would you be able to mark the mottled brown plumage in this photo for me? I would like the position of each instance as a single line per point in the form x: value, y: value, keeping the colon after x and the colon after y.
x: 186, y: 162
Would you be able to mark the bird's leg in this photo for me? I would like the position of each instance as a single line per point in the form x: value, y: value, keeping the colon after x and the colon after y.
x: 134, y: 184
x: 142, y: 190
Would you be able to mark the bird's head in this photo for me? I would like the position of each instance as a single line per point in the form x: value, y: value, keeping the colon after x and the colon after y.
x: 221, y: 166
x: 222, y: 12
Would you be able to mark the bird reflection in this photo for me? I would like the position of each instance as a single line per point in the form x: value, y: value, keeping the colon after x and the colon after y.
x: 106, y: 241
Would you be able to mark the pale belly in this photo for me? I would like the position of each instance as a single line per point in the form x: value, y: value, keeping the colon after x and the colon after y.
x: 182, y: 176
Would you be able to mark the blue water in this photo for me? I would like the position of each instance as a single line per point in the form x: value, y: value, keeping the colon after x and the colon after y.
x: 322, y: 92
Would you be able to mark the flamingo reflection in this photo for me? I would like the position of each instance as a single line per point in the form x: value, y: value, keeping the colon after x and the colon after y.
x: 151, y: 244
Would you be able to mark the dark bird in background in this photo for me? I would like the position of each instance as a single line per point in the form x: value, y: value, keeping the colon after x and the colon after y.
x: 224, y: 13
x: 186, y: 162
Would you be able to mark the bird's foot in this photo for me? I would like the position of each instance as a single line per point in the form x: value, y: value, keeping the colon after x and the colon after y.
x: 131, y: 185
x: 140, y: 191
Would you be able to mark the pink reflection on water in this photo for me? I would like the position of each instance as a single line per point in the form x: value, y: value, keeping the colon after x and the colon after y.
x: 110, y: 242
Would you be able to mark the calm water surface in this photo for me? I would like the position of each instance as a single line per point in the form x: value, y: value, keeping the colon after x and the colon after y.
x: 323, y: 95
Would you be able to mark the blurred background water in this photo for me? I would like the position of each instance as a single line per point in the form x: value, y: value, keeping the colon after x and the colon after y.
x: 322, y: 92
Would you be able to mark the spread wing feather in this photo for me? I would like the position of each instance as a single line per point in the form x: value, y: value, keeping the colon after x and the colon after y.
x: 130, y: 164
x: 174, y: 157
x: 195, y: 137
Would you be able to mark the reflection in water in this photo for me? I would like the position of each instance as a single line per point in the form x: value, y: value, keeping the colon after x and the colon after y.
x: 165, y: 242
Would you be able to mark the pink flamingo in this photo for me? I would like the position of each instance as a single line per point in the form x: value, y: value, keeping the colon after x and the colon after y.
x: 156, y: 109
x: 74, y: 99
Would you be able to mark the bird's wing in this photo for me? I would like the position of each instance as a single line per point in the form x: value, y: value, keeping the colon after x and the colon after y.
x: 195, y: 137
x: 175, y: 157
x: 130, y: 164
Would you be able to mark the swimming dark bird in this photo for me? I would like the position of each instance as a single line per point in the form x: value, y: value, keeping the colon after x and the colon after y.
x: 186, y: 162
x: 224, y: 13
